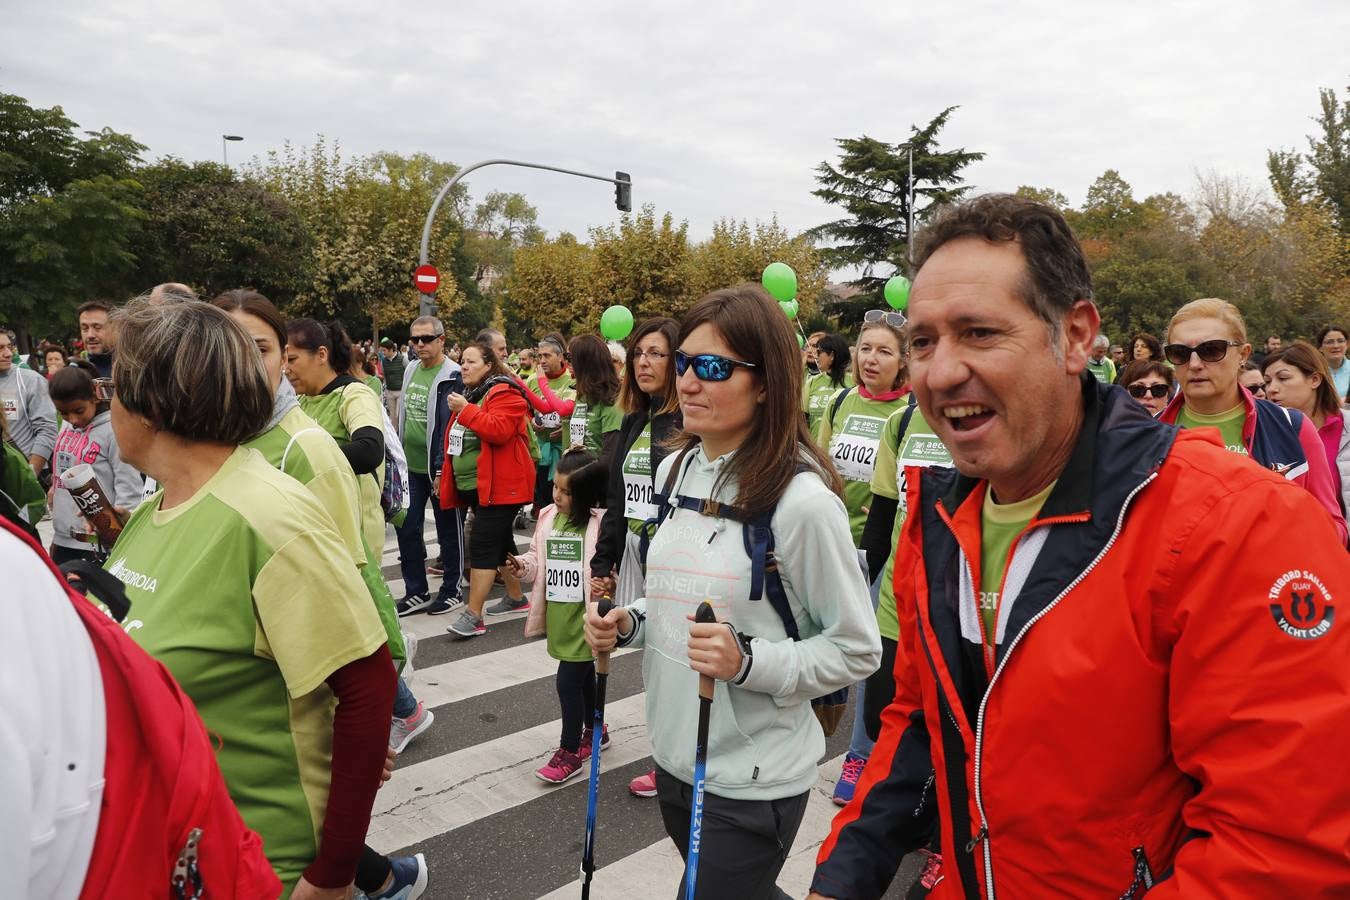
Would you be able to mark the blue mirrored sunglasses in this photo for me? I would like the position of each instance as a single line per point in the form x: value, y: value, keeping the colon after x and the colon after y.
x: 708, y: 366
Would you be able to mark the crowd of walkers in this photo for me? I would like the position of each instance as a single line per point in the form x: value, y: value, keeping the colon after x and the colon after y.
x: 1083, y: 604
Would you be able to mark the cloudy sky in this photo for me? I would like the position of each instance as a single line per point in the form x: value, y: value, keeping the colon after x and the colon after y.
x: 716, y: 108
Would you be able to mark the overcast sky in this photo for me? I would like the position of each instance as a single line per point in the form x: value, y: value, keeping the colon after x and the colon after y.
x: 716, y: 108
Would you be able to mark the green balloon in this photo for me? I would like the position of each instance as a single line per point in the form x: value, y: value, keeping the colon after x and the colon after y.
x: 616, y: 323
x: 897, y: 292
x: 780, y: 281
x: 789, y: 308
x: 801, y: 342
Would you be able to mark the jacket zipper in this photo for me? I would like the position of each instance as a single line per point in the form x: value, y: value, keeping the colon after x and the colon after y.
x: 983, y: 833
x: 187, y: 877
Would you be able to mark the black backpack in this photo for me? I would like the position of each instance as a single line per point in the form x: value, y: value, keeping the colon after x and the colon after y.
x: 757, y: 536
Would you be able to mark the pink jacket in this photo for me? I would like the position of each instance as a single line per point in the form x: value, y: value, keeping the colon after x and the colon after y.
x: 533, y: 561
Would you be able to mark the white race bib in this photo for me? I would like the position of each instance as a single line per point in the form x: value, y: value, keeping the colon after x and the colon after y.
x: 11, y: 405
x: 564, y: 576
x: 549, y: 421
x: 637, y: 485
x: 576, y: 426
x: 457, y: 438
x: 854, y: 447
x: 919, y: 451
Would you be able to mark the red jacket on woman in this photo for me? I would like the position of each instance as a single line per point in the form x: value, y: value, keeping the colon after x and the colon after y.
x: 505, y: 469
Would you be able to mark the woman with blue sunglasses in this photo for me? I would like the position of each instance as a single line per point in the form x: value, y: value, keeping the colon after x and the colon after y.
x: 746, y: 456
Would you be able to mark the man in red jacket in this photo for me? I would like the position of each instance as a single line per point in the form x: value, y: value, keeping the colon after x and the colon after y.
x: 1120, y: 667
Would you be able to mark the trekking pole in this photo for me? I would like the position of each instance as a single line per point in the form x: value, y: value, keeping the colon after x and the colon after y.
x: 597, y: 734
x: 705, y: 697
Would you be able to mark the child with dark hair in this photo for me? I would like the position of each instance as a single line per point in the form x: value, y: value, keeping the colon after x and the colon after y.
x: 85, y: 437
x: 558, y: 564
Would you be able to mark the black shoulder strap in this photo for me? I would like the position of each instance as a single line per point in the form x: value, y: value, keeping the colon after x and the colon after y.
x: 86, y: 576
x: 838, y: 402
x: 908, y: 414
x: 662, y: 500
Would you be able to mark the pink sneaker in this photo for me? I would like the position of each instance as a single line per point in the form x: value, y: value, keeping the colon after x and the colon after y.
x: 643, y: 785
x: 562, y: 767
x: 587, y: 736
x: 931, y: 876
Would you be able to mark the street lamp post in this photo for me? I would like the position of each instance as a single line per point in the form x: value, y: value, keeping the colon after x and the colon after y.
x: 224, y: 154
x: 623, y: 187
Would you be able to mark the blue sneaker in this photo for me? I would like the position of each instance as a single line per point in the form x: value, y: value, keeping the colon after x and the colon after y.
x: 410, y: 879
x: 848, y: 779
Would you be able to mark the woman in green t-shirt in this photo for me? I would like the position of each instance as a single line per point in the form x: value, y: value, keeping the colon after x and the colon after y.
x: 240, y: 584
x: 317, y: 359
x: 835, y: 364
x: 593, y: 419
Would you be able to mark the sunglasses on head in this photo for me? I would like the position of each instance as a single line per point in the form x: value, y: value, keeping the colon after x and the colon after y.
x: 424, y: 338
x: 708, y: 366
x: 1157, y: 391
x: 893, y: 319
x: 1208, y: 351
x: 103, y: 389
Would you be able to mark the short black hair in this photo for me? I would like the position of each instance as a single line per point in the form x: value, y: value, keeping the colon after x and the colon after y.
x: 71, y: 385
x: 842, y: 357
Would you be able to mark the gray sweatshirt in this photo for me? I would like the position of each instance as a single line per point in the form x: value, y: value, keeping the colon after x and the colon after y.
x: 29, y: 409
x: 96, y: 445
x: 764, y: 741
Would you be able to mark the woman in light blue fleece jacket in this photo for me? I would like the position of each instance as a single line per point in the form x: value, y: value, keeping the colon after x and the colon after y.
x: 739, y: 384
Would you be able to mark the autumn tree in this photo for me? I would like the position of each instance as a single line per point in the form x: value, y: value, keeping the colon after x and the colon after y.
x: 553, y: 287
x: 640, y: 263
x: 738, y: 252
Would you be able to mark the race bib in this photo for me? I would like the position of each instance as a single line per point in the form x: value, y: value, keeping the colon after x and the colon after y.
x: 563, y: 564
x: 11, y: 404
x: 576, y: 426
x: 456, y: 439
x: 637, y: 485
x: 547, y: 421
x: 919, y: 451
x: 854, y: 447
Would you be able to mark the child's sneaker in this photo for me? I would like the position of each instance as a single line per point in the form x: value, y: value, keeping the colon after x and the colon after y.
x: 409, y: 879
x: 564, y: 766
x: 402, y: 731
x: 643, y: 785
x: 848, y: 779
x: 588, y: 737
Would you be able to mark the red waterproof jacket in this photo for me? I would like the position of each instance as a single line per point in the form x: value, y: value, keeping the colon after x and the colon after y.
x: 1166, y: 703
x: 505, y: 469
x: 166, y: 812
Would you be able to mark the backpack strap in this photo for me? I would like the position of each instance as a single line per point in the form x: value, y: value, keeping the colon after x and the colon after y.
x: 838, y: 402
x: 662, y: 500
x: 86, y: 576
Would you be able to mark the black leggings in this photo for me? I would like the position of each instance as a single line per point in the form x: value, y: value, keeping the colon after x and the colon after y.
x: 576, y: 694
x: 372, y: 870
x: 880, y: 689
x: 543, y: 488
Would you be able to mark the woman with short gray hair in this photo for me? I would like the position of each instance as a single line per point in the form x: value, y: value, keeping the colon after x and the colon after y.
x: 241, y: 586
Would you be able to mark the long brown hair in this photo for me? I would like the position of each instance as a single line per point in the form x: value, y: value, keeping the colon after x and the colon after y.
x: 757, y: 332
x: 593, y: 370
x: 634, y: 400
x: 1310, y: 361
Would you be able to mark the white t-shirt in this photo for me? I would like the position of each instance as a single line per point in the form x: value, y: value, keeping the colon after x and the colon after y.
x: 52, y: 732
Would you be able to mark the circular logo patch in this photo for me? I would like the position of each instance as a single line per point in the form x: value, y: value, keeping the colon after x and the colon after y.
x: 1301, y: 605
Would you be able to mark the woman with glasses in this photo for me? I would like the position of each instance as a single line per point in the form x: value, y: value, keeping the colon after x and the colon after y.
x: 241, y: 585
x: 1207, y: 343
x: 746, y: 457
x: 1151, y: 383
x: 1251, y: 378
x: 318, y: 358
x: 651, y: 419
x: 1299, y: 379
x: 1332, y: 342
x: 836, y: 373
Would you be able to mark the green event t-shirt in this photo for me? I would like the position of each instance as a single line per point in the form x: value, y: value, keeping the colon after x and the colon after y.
x: 817, y: 392
x: 590, y: 422
x: 23, y: 493
x: 916, y: 446
x: 1104, y: 371
x: 1000, y: 525
x: 415, y: 418
x: 248, y: 596
x: 638, y: 487
x: 340, y: 413
x: 852, y: 437
x: 565, y: 576
x: 465, y: 463
x: 546, y: 423
x: 1229, y: 423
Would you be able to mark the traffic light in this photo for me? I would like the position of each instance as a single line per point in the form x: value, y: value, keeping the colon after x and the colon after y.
x: 623, y: 192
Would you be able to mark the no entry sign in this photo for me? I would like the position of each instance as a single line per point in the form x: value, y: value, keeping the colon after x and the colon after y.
x: 426, y: 279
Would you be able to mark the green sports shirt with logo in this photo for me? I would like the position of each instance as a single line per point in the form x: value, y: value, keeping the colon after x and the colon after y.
x: 851, y: 435
x: 249, y: 597
x: 340, y: 413
x: 590, y: 422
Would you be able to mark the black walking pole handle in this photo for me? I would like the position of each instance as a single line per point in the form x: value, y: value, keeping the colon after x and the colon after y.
x: 602, y: 659
x: 705, y: 615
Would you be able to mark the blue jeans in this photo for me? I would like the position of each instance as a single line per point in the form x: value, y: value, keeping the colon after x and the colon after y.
x: 405, y: 704
x: 859, y: 743
x: 412, y: 550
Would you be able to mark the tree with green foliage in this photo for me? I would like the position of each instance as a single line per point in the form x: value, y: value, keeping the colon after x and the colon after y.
x: 870, y: 183
x: 68, y: 214
x: 1323, y: 173
x: 639, y: 263
x: 738, y: 252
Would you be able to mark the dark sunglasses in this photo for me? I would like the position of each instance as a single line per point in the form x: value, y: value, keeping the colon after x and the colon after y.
x: 1137, y: 391
x: 1208, y: 351
x: 1256, y: 388
x: 103, y: 389
x: 424, y: 338
x: 893, y: 319
x: 708, y: 366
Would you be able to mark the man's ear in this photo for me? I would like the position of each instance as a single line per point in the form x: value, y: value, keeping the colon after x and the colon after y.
x: 1081, y: 325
